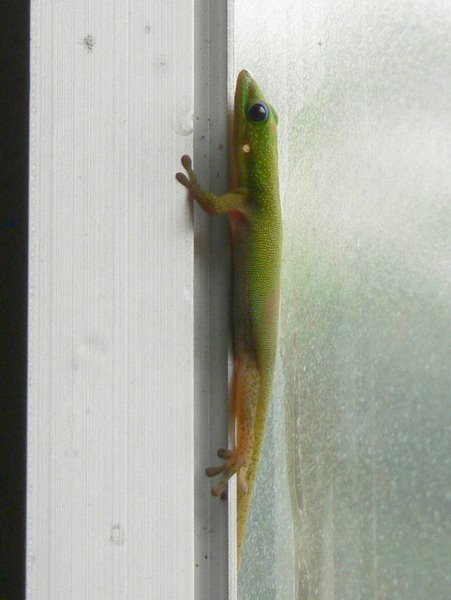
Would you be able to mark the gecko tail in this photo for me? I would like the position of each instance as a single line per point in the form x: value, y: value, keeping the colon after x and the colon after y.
x: 247, y: 384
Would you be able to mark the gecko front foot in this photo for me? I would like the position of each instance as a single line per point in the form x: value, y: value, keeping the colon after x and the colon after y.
x: 189, y: 182
x: 235, y: 462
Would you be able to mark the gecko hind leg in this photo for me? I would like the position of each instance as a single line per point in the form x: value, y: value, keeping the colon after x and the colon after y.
x: 244, y: 406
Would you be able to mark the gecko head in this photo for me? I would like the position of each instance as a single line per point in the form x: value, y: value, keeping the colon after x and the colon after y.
x: 254, y: 127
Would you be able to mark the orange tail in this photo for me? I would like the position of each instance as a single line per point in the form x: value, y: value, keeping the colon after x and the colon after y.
x: 244, y: 401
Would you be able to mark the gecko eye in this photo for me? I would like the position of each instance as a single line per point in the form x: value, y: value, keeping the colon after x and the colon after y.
x: 258, y: 112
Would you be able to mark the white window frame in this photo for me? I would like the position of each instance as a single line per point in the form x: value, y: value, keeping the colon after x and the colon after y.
x: 128, y: 333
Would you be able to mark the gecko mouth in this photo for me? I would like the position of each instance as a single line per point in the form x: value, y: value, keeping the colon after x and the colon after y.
x: 245, y: 87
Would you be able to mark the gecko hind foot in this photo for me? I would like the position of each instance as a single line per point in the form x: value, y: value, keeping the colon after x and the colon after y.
x: 234, y: 464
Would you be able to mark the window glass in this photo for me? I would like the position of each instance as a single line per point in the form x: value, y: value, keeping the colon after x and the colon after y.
x: 351, y: 499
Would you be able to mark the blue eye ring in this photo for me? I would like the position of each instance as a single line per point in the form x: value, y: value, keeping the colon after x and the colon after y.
x: 258, y: 112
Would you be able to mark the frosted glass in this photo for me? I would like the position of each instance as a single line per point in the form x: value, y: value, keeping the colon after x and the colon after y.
x: 353, y: 497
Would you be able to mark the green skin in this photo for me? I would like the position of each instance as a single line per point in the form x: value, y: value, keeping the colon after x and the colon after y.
x: 253, y: 207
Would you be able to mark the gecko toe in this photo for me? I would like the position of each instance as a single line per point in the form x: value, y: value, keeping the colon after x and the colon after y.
x: 224, y: 453
x: 186, y: 162
x: 213, y: 471
x: 220, y: 488
x: 242, y: 483
x: 183, y: 179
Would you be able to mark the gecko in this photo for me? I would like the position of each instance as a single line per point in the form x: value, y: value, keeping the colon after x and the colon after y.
x: 252, y: 205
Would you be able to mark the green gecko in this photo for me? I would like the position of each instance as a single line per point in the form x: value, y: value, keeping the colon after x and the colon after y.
x: 253, y: 208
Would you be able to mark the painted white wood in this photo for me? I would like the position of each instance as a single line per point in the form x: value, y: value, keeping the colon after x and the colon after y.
x: 110, y: 459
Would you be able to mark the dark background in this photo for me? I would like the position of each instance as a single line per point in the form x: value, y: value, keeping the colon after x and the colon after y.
x: 14, y: 86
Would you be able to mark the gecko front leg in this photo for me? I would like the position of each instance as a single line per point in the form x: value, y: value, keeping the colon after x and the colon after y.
x: 212, y: 204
